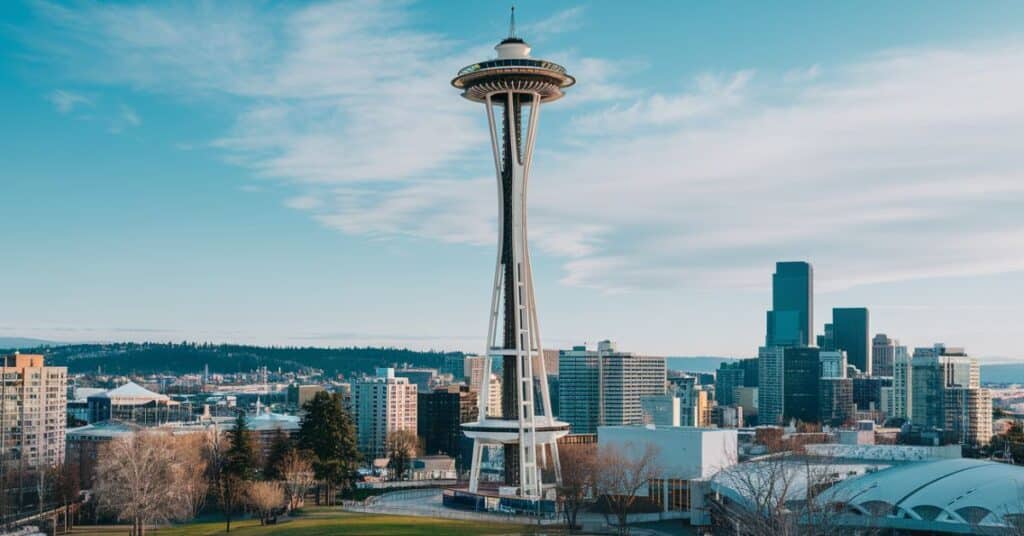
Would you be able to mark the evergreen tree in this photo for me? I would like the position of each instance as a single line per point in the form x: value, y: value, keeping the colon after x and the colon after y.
x: 280, y: 445
x: 238, y: 469
x: 328, y: 433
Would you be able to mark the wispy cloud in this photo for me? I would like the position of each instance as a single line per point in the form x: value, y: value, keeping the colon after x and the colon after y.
x: 66, y: 101
x: 901, y: 165
x: 567, y: 20
x: 126, y: 118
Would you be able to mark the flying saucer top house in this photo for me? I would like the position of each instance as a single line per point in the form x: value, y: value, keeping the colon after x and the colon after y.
x: 512, y: 87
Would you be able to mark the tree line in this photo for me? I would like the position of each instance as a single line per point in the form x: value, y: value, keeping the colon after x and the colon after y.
x: 154, y: 477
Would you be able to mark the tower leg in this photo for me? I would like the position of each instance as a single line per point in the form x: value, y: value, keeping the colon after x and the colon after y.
x: 474, y: 472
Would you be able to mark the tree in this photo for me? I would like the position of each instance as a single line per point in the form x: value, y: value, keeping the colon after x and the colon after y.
x: 265, y: 498
x: 328, y: 433
x: 401, y: 446
x: 280, y: 444
x: 65, y: 487
x: 190, y: 475
x: 578, y: 468
x: 620, y: 474
x: 135, y: 480
x: 776, y: 495
x: 238, y: 468
x: 298, y: 476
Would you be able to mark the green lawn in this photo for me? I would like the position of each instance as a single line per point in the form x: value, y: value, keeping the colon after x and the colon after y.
x: 329, y: 522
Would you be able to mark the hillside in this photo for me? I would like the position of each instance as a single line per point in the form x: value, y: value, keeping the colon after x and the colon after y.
x: 188, y: 357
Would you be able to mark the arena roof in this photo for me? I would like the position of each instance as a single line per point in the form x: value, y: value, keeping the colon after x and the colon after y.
x: 956, y: 492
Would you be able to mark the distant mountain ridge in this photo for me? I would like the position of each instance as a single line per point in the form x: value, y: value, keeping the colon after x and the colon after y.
x: 697, y: 363
x: 17, y: 343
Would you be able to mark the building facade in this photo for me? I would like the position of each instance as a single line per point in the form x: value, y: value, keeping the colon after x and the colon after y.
x: 33, y: 415
x: 851, y: 332
x: 801, y: 372
x: 902, y: 374
x: 439, y: 415
x: 946, y: 393
x: 771, y: 389
x: 382, y: 404
x: 604, y: 386
x: 791, y: 319
x: 883, y: 355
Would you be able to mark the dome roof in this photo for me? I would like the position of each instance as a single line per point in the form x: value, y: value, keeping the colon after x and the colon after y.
x: 957, y: 491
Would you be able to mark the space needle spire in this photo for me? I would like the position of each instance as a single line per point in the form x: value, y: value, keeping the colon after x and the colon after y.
x: 512, y: 88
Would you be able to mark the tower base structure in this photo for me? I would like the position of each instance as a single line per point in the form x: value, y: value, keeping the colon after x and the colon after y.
x: 502, y: 432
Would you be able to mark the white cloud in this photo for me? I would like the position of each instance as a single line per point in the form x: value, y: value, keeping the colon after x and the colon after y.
x: 902, y: 165
x: 563, y: 21
x: 66, y: 101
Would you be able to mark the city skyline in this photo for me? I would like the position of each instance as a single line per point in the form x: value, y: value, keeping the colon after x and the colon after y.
x: 209, y: 174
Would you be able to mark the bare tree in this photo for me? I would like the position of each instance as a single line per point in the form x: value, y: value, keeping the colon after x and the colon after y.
x: 265, y: 498
x: 778, y: 495
x: 190, y: 475
x: 579, y: 464
x: 402, y: 446
x: 135, y: 480
x: 299, y: 477
x: 620, y: 474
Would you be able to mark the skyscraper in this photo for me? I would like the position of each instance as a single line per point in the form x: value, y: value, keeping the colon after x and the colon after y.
x: 851, y: 333
x: 382, y: 404
x: 603, y: 387
x: 771, y: 389
x: 791, y: 320
x: 947, y: 394
x: 512, y: 87
x: 902, y: 374
x: 801, y: 372
x: 883, y: 355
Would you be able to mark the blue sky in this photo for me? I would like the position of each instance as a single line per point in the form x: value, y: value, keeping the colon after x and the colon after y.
x: 286, y: 173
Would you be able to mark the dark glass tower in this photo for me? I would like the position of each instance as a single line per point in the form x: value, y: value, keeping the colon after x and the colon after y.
x: 801, y: 373
x: 791, y: 320
x: 850, y: 332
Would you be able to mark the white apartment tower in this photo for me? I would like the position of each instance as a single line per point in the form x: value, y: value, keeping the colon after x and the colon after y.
x: 33, y: 412
x: 604, y: 387
x: 382, y: 404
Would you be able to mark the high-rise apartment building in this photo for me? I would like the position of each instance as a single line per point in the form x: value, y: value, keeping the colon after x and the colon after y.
x: 850, y: 326
x: 473, y: 371
x: 771, y: 389
x: 33, y: 406
x: 791, y: 320
x: 969, y: 414
x: 382, y: 404
x: 603, y: 387
x: 883, y: 355
x: 946, y: 393
x: 801, y: 372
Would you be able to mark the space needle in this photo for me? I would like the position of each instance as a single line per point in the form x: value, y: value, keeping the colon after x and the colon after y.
x: 512, y: 88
